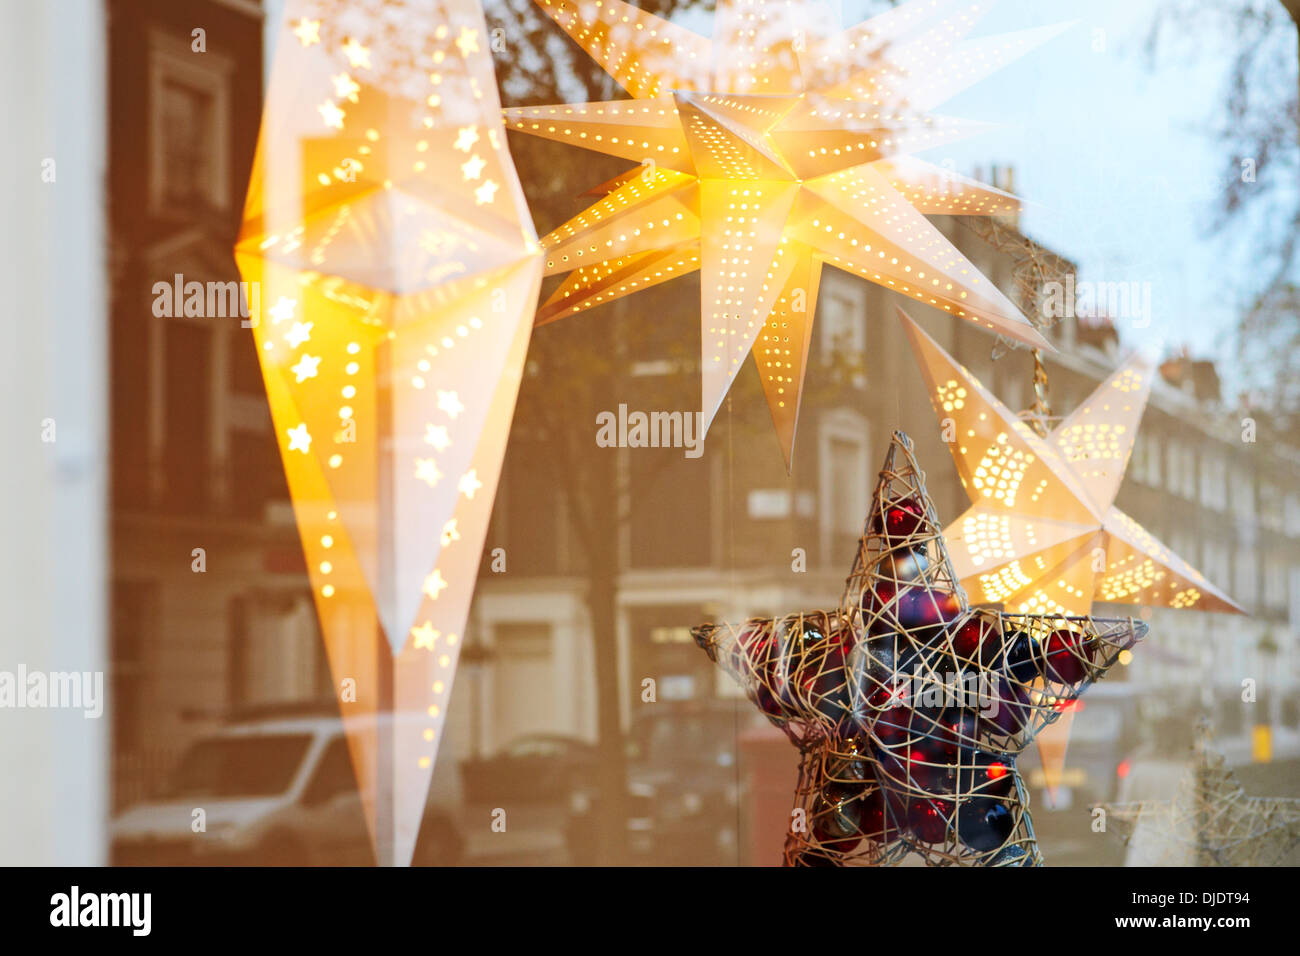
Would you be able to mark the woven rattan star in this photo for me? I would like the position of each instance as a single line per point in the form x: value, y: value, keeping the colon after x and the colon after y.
x: 908, y: 706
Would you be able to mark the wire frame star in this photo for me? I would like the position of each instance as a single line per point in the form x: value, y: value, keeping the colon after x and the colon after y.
x: 1211, y: 822
x: 908, y: 706
x: 779, y: 145
x: 414, y: 297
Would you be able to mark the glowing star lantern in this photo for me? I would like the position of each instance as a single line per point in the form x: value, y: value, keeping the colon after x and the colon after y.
x: 1043, y: 535
x: 908, y: 706
x: 1210, y: 822
x: 388, y: 231
x: 780, y: 144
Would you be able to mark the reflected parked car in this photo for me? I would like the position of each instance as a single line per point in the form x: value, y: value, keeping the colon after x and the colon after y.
x: 681, y: 789
x: 273, y: 792
x: 536, y: 768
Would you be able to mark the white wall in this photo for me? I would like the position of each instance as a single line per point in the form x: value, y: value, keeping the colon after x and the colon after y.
x: 53, y: 365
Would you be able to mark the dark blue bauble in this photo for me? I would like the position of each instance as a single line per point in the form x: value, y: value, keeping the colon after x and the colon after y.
x: 984, y: 824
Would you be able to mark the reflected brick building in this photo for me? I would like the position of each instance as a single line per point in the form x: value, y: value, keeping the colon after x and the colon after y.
x: 194, y: 463
x: 726, y: 535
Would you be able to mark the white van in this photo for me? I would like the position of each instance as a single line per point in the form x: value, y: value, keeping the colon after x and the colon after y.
x: 274, y: 792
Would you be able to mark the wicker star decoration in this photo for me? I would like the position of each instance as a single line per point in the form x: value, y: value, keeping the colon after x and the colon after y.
x: 908, y: 706
x: 778, y: 145
x: 1211, y: 822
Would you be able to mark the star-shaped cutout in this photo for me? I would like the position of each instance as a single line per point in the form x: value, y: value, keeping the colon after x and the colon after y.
x: 393, y: 281
x: 910, y: 707
x: 486, y: 193
x: 425, y: 636
x: 778, y: 145
x: 426, y: 470
x: 450, y: 533
x: 434, y: 584
x: 467, y: 42
x: 1210, y: 822
x: 283, y: 309
x: 466, y: 137
x: 331, y: 114
x: 358, y: 55
x: 299, y: 439
x: 307, y: 31
x: 307, y: 367
x: 473, y: 167
x: 1043, y: 532
x: 436, y: 435
x: 469, y: 483
x: 345, y: 87
x: 450, y: 403
x: 299, y: 334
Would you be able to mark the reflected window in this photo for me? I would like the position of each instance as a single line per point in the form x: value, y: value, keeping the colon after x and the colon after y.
x: 845, y: 485
x: 255, y: 765
x: 189, y: 123
x: 186, y: 133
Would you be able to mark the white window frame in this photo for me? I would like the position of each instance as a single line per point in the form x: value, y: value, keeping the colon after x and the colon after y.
x: 851, y: 295
x: 847, y: 426
x: 171, y: 59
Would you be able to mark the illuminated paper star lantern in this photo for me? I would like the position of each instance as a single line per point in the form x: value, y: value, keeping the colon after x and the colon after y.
x: 1043, y: 535
x: 388, y: 231
x: 780, y: 144
x: 908, y: 706
x: 1210, y: 822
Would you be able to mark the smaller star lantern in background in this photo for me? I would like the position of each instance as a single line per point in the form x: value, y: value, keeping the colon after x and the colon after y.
x: 908, y: 706
x: 1043, y: 534
x: 1211, y: 821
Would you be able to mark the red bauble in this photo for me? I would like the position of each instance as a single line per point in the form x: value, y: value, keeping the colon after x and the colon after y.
x: 930, y: 728
x: 877, y: 823
x: 904, y: 518
x: 891, y: 728
x: 768, y: 704
x: 1068, y: 655
x: 971, y: 638
x: 874, y: 600
x: 986, y: 775
x: 963, y: 726
x: 928, y: 820
x: 1010, y: 713
x: 920, y: 608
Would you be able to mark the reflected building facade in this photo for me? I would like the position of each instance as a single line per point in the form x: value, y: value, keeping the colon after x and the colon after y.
x: 211, y: 608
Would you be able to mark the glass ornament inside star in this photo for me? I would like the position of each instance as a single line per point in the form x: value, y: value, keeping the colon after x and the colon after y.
x: 908, y: 706
x: 778, y: 145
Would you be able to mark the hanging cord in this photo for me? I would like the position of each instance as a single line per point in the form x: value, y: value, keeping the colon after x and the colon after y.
x: 1039, y: 415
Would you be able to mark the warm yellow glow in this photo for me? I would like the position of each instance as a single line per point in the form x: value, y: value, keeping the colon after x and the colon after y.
x: 388, y: 234
x: 780, y: 143
x: 1065, y: 544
